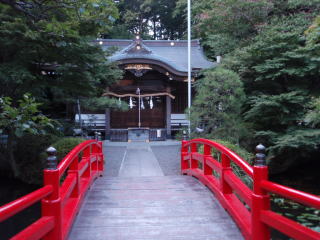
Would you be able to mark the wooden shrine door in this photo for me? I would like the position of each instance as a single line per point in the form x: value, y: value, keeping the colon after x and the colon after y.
x: 150, y: 118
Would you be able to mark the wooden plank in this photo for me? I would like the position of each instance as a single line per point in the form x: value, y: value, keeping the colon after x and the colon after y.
x: 162, y: 207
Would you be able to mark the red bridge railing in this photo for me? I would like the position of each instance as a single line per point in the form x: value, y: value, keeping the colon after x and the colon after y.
x: 249, y: 208
x: 64, y: 188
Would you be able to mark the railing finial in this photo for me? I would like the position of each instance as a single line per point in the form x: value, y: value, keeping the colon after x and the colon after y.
x: 260, y: 156
x: 185, y: 136
x: 97, y: 135
x: 52, y: 158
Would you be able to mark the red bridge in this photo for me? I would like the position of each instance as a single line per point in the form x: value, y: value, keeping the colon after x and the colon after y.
x: 177, y: 207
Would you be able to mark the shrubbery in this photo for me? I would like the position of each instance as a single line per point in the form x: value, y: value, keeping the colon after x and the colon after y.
x: 31, y: 155
x: 31, y: 161
x: 244, y: 154
x: 217, y: 105
x: 65, y: 145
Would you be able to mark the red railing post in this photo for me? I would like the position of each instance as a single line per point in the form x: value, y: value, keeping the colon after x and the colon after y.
x: 207, y: 153
x: 74, y: 169
x: 193, y: 149
x: 86, y: 158
x: 51, y: 205
x: 193, y: 162
x: 225, y: 165
x: 184, y: 152
x: 260, y: 198
x: 95, y: 152
x: 101, y: 158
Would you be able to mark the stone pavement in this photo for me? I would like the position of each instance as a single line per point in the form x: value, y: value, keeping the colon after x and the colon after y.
x: 136, y: 201
x: 166, y: 153
x: 139, y: 161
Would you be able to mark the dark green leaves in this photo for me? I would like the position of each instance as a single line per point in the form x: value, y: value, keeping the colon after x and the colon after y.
x: 25, y: 118
x: 216, y: 107
x: 276, y: 111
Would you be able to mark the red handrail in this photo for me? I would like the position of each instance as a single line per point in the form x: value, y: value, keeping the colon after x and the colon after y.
x: 60, y: 201
x: 255, y: 223
x: 293, y: 194
x: 10, y: 209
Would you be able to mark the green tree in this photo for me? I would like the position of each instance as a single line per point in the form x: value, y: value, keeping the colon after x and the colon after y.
x: 224, y: 25
x: 217, y: 105
x: 277, y: 59
x: 46, y: 50
x: 227, y: 25
x: 312, y: 117
x: 280, y: 71
x: 153, y: 19
x: 18, y: 121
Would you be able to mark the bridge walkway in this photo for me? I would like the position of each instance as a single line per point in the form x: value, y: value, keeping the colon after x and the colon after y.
x: 141, y: 202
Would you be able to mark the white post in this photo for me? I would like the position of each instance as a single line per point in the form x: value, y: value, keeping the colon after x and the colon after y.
x: 139, y: 103
x: 218, y: 59
x: 79, y: 113
x: 189, y: 63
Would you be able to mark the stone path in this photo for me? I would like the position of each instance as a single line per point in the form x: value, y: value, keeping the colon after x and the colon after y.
x: 139, y: 161
x: 141, y: 203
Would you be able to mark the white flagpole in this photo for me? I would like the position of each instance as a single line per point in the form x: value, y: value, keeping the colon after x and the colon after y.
x: 189, y: 63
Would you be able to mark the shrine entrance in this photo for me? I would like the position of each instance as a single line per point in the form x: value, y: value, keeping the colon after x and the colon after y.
x: 152, y: 113
x: 153, y: 87
x: 147, y: 98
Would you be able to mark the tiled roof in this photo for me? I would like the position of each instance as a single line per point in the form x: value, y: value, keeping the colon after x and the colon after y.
x: 173, y: 52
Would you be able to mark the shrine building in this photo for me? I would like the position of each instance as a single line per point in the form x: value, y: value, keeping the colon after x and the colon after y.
x: 154, y: 86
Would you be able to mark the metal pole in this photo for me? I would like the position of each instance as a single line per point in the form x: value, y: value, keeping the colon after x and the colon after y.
x: 139, y: 110
x: 139, y: 103
x: 189, y: 64
x: 79, y: 113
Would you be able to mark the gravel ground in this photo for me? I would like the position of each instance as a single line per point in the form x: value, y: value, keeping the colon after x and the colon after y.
x: 168, y: 158
x: 113, y: 158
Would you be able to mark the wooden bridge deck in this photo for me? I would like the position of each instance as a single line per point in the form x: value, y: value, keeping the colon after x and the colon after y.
x: 152, y: 207
x: 168, y: 207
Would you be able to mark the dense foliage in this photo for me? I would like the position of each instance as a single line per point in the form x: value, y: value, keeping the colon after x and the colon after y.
x: 217, y: 105
x: 18, y: 121
x: 274, y: 47
x: 31, y: 159
x: 65, y: 145
x: 267, y: 89
x: 155, y: 19
x: 47, y: 51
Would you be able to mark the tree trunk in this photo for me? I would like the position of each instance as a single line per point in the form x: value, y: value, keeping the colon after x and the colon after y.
x: 12, y: 160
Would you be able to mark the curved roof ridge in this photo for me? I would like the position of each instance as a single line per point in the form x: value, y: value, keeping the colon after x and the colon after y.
x: 170, y: 52
x: 151, y: 56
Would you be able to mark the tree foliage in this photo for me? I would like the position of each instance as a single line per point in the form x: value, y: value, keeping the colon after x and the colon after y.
x: 280, y: 70
x: 46, y: 49
x: 18, y: 121
x: 217, y: 105
x: 153, y: 19
x: 312, y: 117
x: 274, y: 47
x: 224, y: 25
